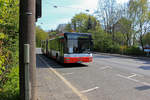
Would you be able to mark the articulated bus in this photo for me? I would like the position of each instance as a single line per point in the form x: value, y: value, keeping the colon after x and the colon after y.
x: 69, y: 47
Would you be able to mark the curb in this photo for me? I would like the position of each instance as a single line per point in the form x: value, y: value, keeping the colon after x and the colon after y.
x: 125, y: 56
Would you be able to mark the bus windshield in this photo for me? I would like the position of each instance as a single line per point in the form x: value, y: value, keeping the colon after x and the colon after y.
x: 78, y: 43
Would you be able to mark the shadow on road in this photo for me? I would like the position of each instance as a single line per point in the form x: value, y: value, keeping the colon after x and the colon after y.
x: 145, y: 67
x: 142, y: 88
x: 73, y: 65
x: 146, y: 63
x: 52, y: 63
x: 39, y: 63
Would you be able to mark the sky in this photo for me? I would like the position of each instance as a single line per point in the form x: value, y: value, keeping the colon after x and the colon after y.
x: 66, y: 9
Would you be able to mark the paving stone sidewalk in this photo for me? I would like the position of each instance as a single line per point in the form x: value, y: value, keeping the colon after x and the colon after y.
x: 51, y: 87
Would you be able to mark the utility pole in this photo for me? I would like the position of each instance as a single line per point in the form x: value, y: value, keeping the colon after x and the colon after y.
x: 27, y: 37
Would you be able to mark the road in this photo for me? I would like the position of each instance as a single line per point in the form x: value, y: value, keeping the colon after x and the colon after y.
x: 106, y: 78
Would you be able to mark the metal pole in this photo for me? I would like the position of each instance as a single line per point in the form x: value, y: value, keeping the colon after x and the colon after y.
x: 27, y: 36
x: 26, y: 62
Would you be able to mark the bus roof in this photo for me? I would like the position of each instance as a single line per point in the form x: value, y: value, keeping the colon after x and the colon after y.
x: 77, y: 33
x: 68, y: 33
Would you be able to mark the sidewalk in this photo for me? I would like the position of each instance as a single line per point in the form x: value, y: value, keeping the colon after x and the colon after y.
x: 50, y: 86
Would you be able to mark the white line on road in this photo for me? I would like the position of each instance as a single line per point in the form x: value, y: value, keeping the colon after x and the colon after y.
x: 138, y: 75
x: 129, y: 78
x: 75, y: 90
x: 67, y: 73
x: 132, y: 75
x: 89, y: 90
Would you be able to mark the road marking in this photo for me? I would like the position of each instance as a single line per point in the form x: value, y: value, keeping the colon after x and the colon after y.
x: 139, y: 75
x: 75, y: 90
x: 89, y: 90
x: 129, y: 78
x: 106, y: 67
x: 132, y: 75
x: 67, y: 73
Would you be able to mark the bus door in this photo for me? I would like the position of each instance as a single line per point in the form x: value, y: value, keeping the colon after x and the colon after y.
x: 61, y: 47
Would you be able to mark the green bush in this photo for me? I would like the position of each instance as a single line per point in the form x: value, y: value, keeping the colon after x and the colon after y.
x: 10, y: 90
x: 104, y: 46
x: 107, y: 46
x: 134, y: 51
x: 115, y: 48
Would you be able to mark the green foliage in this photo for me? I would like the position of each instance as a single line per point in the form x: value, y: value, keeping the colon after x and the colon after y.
x: 10, y: 90
x: 9, y: 22
x: 53, y: 33
x: 83, y: 22
x: 9, y: 16
x: 102, y: 41
x: 119, y: 38
x: 68, y: 28
x: 146, y: 39
x: 52, y: 42
x: 2, y: 36
x: 115, y: 48
x: 139, y: 12
x: 40, y: 35
x: 134, y: 51
x: 122, y: 33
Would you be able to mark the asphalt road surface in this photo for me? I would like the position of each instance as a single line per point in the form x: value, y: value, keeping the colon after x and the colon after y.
x: 106, y: 78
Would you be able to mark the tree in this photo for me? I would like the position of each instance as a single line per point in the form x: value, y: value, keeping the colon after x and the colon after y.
x: 83, y: 22
x: 40, y: 35
x: 61, y: 28
x: 9, y: 17
x: 146, y: 39
x: 140, y: 14
x: 107, y: 13
x: 68, y: 28
x: 9, y: 23
x: 123, y: 26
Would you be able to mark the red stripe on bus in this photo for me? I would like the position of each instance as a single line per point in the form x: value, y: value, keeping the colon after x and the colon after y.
x: 77, y: 59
